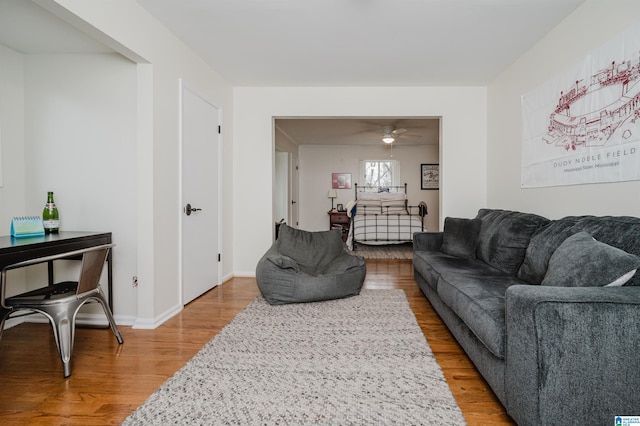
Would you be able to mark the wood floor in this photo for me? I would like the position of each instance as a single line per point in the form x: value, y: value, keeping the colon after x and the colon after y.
x: 109, y: 381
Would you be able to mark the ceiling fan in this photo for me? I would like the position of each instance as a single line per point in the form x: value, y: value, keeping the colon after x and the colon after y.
x: 389, y: 134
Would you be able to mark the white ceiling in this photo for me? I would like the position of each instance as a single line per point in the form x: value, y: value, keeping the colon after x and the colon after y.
x: 357, y: 131
x: 360, y: 42
x: 328, y: 43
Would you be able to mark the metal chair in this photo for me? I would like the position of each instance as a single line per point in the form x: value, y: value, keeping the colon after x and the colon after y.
x: 60, y: 302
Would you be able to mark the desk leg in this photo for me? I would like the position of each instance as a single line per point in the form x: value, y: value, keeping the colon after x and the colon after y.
x: 50, y: 271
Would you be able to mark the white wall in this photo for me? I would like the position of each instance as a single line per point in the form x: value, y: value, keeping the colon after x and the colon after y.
x: 128, y: 28
x: 13, y: 188
x: 80, y: 143
x: 317, y: 163
x: 68, y: 125
x: 12, y: 192
x: 462, y: 151
x: 590, y: 26
x: 151, y: 90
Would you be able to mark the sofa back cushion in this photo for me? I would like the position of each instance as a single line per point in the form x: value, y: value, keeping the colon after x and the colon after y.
x: 312, y: 250
x: 504, y: 237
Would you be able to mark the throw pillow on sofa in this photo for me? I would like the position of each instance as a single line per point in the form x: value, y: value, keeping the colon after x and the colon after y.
x: 542, y: 245
x: 461, y: 237
x: 622, y: 232
x: 582, y: 261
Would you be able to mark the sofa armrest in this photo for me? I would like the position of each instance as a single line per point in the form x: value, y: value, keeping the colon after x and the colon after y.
x: 572, y: 353
x: 427, y: 241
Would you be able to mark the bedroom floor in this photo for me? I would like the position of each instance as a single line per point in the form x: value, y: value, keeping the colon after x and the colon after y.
x: 390, y: 251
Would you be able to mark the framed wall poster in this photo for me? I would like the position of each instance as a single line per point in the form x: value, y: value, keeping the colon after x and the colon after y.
x: 581, y: 126
x: 430, y: 176
x: 341, y: 180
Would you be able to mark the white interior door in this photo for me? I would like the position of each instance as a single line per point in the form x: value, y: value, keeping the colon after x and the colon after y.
x: 293, y: 191
x: 200, y: 195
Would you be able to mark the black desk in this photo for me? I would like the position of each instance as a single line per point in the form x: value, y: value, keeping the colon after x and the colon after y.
x: 14, y: 250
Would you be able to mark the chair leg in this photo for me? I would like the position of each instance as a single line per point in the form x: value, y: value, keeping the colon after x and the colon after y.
x: 112, y: 322
x: 64, y: 324
x: 64, y: 329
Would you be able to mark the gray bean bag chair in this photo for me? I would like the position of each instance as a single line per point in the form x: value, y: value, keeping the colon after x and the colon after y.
x: 304, y: 266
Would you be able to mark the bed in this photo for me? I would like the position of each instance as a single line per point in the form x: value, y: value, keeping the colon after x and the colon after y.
x: 383, y: 216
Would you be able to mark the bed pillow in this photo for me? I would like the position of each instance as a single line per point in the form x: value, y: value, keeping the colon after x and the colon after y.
x: 582, y: 261
x: 380, y: 196
x: 369, y: 207
x: 461, y: 237
x: 394, y: 207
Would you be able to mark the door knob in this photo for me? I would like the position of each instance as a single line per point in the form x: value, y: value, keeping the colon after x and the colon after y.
x: 188, y: 209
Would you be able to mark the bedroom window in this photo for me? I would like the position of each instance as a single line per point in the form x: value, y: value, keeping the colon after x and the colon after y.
x: 380, y: 172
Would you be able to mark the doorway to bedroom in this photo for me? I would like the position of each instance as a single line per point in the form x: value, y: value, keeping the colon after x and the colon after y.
x: 326, y: 146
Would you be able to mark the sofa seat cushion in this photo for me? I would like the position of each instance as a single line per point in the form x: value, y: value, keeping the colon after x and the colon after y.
x: 431, y: 264
x: 480, y: 302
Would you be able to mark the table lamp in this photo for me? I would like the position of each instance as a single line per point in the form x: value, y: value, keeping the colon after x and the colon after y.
x: 333, y: 194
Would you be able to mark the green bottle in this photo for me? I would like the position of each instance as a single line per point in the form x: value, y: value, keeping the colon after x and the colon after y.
x: 50, y: 217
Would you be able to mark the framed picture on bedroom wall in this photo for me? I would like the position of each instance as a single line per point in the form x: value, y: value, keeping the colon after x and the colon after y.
x: 341, y: 180
x: 429, y: 176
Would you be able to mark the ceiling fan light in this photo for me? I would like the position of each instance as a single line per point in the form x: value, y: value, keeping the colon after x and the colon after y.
x: 388, y: 139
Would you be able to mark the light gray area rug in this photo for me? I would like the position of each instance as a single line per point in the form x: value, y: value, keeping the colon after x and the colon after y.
x: 356, y: 361
x: 389, y: 251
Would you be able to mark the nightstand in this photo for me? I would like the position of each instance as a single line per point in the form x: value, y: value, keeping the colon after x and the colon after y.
x: 340, y: 220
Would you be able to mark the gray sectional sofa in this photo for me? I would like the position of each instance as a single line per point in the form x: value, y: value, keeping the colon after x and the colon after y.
x: 547, y: 310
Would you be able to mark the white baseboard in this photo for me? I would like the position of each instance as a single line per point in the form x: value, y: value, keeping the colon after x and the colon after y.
x: 12, y: 322
x: 245, y: 274
x: 98, y: 320
x: 151, y: 323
